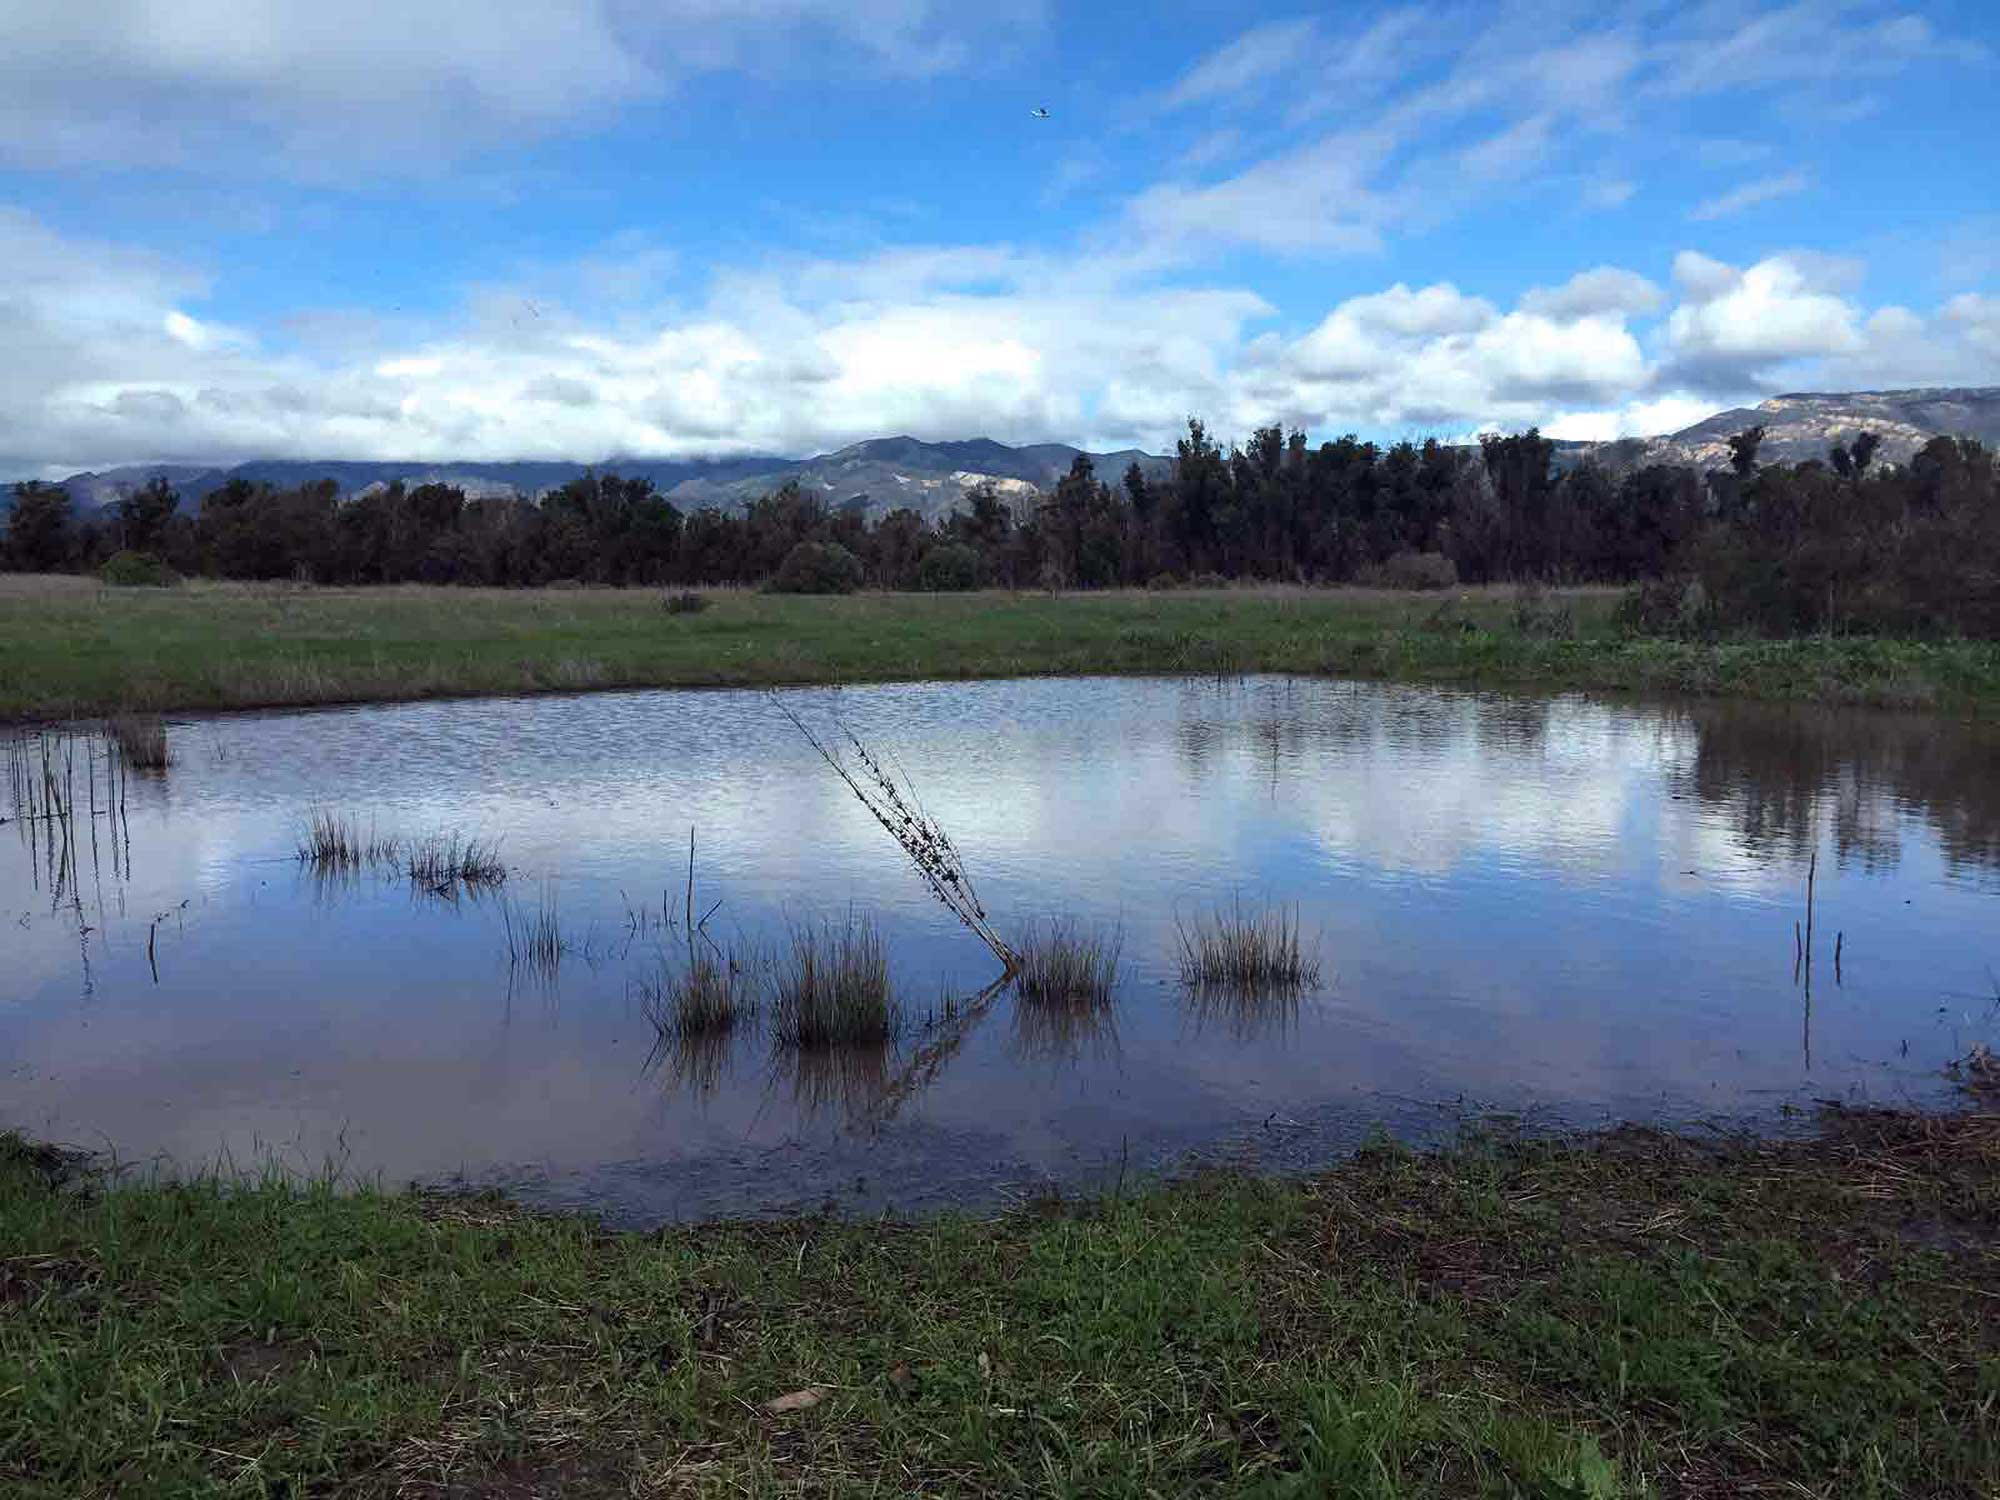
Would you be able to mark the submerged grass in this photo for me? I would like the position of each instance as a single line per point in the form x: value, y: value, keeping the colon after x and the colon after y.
x: 141, y: 739
x: 695, y: 1006
x: 444, y: 861
x: 706, y: 995
x: 1065, y: 965
x: 1261, y: 949
x: 334, y: 841
x: 1627, y: 1315
x: 830, y: 987
x: 78, y: 649
x: 535, y: 937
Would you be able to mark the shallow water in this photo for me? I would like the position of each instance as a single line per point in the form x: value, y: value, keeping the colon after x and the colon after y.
x: 1553, y: 907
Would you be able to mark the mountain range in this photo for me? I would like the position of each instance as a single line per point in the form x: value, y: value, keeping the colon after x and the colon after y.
x: 884, y: 474
x: 1807, y: 424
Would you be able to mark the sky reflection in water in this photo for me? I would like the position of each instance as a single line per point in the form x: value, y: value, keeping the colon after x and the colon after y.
x: 1558, y: 906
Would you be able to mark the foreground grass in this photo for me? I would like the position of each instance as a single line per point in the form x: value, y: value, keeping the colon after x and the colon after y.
x: 1630, y: 1315
x: 74, y: 647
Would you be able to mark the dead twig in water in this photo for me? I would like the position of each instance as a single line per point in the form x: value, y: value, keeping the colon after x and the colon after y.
x: 898, y: 809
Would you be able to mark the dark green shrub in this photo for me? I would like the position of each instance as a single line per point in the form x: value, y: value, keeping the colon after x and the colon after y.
x: 818, y: 568
x: 1665, y: 606
x: 950, y: 568
x: 1160, y: 581
x: 137, y: 570
x: 1538, y: 615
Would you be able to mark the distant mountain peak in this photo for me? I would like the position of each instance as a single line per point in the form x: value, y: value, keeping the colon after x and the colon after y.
x: 879, y: 474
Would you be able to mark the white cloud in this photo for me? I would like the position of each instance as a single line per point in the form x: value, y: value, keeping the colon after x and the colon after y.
x: 1318, y: 198
x: 1978, y: 320
x: 114, y: 364
x: 1731, y: 325
x: 1702, y: 278
x: 1604, y: 289
x: 322, y: 91
x: 1831, y: 42
x: 1749, y: 195
x: 1253, y: 57
x: 1435, y: 358
x: 1609, y: 192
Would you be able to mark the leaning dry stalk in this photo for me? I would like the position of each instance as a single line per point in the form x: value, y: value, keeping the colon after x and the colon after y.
x: 897, y: 808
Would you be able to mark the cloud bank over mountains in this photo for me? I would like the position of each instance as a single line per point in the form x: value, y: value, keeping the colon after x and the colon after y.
x: 117, y: 369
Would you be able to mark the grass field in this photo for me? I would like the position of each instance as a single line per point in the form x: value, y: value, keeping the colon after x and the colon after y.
x: 73, y: 646
x: 1628, y: 1315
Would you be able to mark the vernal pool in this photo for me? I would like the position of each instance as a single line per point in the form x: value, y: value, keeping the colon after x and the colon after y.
x: 1559, y: 908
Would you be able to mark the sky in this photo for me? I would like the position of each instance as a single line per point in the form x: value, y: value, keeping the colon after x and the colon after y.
x: 582, y: 229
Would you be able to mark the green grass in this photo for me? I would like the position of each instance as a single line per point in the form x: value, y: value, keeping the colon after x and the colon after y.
x: 75, y: 647
x: 1628, y: 1315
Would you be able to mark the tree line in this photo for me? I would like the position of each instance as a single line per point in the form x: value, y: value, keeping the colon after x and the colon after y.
x: 1847, y: 543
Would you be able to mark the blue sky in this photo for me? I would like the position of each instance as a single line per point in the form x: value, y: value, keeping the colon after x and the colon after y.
x: 437, y: 229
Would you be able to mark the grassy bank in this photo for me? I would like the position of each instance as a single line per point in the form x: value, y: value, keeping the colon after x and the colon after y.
x: 73, y: 646
x: 1629, y: 1315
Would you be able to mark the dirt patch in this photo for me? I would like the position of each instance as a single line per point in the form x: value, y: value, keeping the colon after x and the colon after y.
x: 51, y: 1166
x: 28, y: 1279
x: 532, y: 1476
x: 249, y: 1361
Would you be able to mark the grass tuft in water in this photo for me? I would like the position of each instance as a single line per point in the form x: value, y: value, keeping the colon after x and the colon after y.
x: 443, y: 861
x: 1258, y: 949
x: 695, y: 1007
x: 708, y: 995
x: 831, y: 987
x: 1066, y: 965
x: 535, y: 939
x: 141, y: 739
x: 335, y: 841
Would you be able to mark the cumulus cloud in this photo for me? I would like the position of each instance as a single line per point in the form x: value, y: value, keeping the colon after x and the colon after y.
x: 1437, y: 359
x: 1597, y: 292
x: 1732, y: 325
x: 1978, y: 320
x: 324, y: 90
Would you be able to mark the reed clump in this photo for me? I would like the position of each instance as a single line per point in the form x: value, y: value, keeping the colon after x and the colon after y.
x: 1067, y: 965
x: 444, y: 861
x: 1258, y: 949
x: 141, y: 739
x: 334, y: 840
x: 831, y: 988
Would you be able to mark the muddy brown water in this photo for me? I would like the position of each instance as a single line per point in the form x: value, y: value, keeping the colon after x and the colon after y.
x: 1566, y: 910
